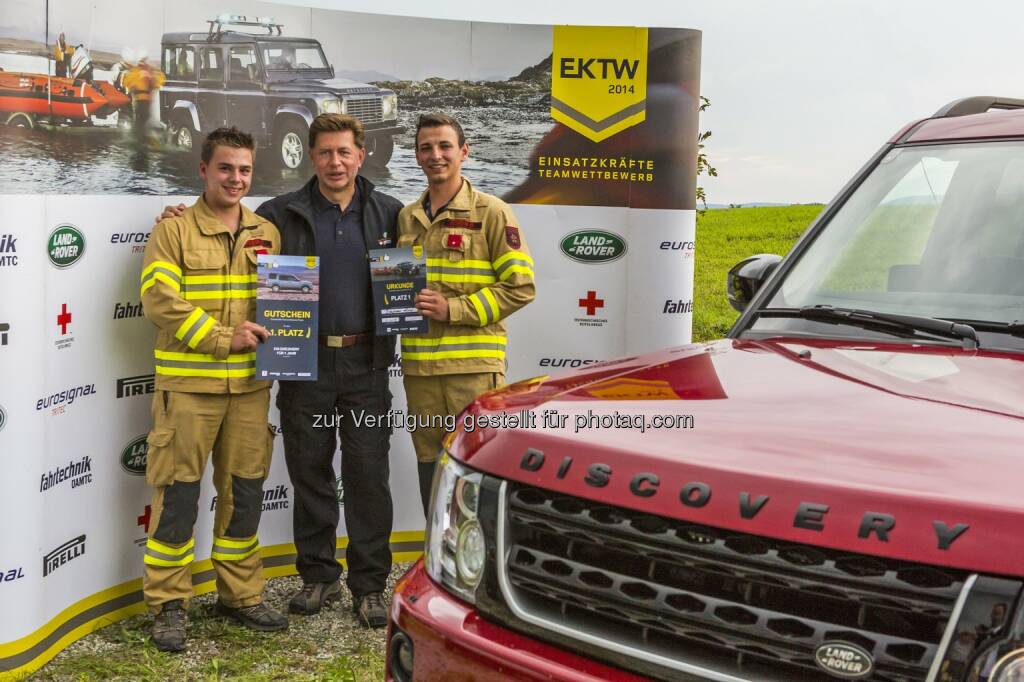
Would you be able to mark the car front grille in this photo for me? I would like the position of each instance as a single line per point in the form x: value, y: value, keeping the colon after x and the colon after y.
x: 366, y: 109
x: 712, y: 599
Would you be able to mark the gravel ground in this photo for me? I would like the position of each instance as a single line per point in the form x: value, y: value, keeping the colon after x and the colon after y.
x: 330, y: 645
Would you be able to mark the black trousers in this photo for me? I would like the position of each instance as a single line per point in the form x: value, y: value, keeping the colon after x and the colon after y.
x: 313, y: 416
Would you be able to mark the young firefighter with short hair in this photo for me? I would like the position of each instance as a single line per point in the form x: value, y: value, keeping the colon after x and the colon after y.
x: 479, y: 271
x: 199, y: 289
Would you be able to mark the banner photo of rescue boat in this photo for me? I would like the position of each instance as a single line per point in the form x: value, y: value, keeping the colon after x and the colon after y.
x: 588, y: 132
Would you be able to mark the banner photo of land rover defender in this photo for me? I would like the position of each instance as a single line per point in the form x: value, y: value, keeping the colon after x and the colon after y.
x: 589, y: 133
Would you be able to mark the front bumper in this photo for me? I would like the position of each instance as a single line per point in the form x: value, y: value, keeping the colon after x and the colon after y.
x: 384, y: 128
x: 450, y: 638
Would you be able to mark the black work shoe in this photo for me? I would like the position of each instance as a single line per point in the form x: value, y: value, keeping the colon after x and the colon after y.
x: 370, y: 610
x: 256, y: 617
x: 314, y: 596
x: 168, y: 631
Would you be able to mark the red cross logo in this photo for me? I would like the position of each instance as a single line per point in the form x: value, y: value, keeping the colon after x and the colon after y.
x: 144, y: 519
x: 591, y: 303
x: 64, y: 319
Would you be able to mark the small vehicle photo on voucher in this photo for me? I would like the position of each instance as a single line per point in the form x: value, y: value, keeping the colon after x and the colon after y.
x: 280, y: 281
x: 268, y: 84
x: 848, y: 504
x: 407, y: 269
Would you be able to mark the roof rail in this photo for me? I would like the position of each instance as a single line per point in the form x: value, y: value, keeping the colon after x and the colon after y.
x: 977, y: 105
x: 217, y: 25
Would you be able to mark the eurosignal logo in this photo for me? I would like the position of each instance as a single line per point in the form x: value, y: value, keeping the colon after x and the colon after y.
x: 685, y: 247
x: 137, y: 240
x: 58, y: 401
x: 133, y: 457
x: 593, y: 246
x: 566, y: 362
x: 65, y: 246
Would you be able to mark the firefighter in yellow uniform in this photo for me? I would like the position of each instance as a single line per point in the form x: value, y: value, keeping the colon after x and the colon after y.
x: 198, y: 287
x: 479, y: 271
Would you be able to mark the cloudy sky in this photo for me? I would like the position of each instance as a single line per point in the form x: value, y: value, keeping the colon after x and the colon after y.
x: 802, y: 91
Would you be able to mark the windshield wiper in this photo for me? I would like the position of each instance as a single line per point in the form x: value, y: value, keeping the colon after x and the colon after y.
x: 1015, y: 328
x: 886, y: 322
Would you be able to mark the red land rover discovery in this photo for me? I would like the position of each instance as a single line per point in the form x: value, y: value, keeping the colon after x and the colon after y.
x: 846, y: 501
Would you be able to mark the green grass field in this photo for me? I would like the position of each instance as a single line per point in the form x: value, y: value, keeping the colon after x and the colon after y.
x: 727, y: 236
x: 334, y: 648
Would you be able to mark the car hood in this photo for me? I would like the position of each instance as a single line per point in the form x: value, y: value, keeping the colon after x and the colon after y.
x: 926, y: 440
x: 341, y: 86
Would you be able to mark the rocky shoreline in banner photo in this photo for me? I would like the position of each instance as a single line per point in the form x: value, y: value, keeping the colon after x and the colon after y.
x: 503, y: 120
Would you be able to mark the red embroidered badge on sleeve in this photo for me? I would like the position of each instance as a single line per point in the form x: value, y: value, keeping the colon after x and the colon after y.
x: 512, y: 236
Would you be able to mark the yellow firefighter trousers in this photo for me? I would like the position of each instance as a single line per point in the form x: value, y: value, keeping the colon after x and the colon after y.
x: 432, y: 397
x: 186, y: 427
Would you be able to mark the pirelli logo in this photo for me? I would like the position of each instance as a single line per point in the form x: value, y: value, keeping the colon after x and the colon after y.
x: 599, y: 79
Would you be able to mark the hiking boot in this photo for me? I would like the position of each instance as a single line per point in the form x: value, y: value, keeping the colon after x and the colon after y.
x: 314, y: 596
x: 256, y: 617
x: 370, y: 610
x: 168, y: 631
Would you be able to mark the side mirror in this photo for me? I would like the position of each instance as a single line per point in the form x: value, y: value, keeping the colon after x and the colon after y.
x: 747, y: 276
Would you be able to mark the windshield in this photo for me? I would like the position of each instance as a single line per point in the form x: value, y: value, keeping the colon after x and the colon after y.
x: 936, y: 231
x: 286, y: 57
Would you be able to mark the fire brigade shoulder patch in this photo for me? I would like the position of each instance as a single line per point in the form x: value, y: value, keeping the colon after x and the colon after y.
x: 464, y: 224
x: 512, y: 236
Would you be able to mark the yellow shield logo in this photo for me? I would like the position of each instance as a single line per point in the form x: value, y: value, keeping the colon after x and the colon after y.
x: 417, y: 251
x: 599, y: 79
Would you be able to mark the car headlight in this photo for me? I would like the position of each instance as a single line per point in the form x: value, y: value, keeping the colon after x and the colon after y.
x: 1010, y: 668
x: 389, y: 107
x: 456, y: 547
x: 331, y: 105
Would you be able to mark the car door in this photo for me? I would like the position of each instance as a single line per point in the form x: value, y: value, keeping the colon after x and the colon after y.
x: 245, y: 89
x: 211, y: 98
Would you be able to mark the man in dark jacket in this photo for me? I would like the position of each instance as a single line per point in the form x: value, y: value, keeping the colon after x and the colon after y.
x: 338, y: 216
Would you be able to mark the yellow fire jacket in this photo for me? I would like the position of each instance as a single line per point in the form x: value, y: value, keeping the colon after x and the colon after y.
x: 143, y: 81
x: 199, y: 282
x: 477, y: 257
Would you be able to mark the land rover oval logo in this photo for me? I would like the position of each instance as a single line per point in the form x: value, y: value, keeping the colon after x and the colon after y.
x: 133, y: 457
x: 593, y: 246
x: 65, y: 246
x: 844, y: 660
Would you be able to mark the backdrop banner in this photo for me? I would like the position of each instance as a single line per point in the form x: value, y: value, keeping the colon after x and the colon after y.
x: 590, y: 133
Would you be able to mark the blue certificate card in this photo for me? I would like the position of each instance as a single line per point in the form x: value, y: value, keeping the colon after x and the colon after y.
x: 287, y: 297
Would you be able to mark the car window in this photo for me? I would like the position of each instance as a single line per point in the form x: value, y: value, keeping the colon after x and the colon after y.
x: 242, y: 64
x: 286, y: 57
x: 936, y: 231
x: 211, y: 67
x: 180, y: 63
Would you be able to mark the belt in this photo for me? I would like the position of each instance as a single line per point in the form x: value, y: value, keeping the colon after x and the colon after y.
x: 346, y: 340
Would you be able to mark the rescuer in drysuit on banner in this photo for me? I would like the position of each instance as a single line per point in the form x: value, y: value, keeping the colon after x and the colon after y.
x: 62, y: 57
x: 142, y: 82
